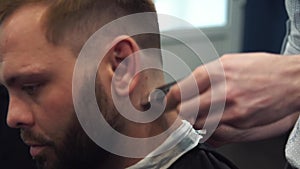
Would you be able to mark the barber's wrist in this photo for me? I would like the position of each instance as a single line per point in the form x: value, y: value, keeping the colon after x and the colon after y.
x: 292, y: 73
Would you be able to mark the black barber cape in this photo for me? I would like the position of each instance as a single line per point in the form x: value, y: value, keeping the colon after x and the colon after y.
x: 202, y: 157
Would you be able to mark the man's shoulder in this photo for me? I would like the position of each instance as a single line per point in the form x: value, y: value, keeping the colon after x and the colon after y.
x: 204, y: 157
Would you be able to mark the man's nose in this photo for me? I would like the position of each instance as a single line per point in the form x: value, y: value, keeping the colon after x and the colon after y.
x: 19, y: 114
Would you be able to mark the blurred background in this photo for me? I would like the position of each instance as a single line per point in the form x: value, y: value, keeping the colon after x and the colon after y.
x: 232, y: 26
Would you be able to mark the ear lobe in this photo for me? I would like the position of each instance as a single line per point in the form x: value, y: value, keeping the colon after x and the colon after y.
x: 125, y: 63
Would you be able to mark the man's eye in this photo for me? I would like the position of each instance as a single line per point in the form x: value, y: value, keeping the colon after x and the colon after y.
x: 30, y: 89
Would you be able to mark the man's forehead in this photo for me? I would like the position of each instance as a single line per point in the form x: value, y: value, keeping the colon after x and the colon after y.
x: 1, y: 73
x: 1, y: 43
x: 2, y: 81
x: 20, y: 33
x: 1, y: 56
x: 24, y: 20
x: 19, y: 30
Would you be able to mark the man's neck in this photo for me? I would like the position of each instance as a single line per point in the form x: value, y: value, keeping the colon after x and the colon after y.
x: 142, y: 131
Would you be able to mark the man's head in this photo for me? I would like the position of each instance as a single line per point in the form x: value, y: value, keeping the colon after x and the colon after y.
x: 39, y: 43
x: 65, y: 20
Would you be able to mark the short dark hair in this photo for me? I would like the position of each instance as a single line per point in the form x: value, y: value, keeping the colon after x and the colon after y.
x: 72, y: 22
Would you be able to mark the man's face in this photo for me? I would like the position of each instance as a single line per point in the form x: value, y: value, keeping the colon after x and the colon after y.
x: 38, y: 76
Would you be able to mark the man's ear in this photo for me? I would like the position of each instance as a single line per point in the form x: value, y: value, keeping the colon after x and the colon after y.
x: 124, y: 64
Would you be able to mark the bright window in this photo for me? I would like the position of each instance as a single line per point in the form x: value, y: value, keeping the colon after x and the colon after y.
x: 200, y: 13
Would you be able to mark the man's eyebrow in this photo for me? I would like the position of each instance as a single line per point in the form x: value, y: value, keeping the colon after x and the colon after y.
x: 24, y: 76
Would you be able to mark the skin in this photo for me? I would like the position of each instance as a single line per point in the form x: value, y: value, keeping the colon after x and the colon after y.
x: 262, y: 96
x: 38, y: 76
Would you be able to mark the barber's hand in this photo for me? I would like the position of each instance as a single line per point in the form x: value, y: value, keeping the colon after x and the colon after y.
x: 261, y: 95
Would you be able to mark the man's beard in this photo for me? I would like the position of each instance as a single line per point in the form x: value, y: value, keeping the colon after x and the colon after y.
x: 75, y: 151
x: 79, y: 151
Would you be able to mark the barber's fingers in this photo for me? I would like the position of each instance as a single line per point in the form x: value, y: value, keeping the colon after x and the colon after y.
x: 188, y: 88
x: 195, y: 108
x: 202, y: 108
